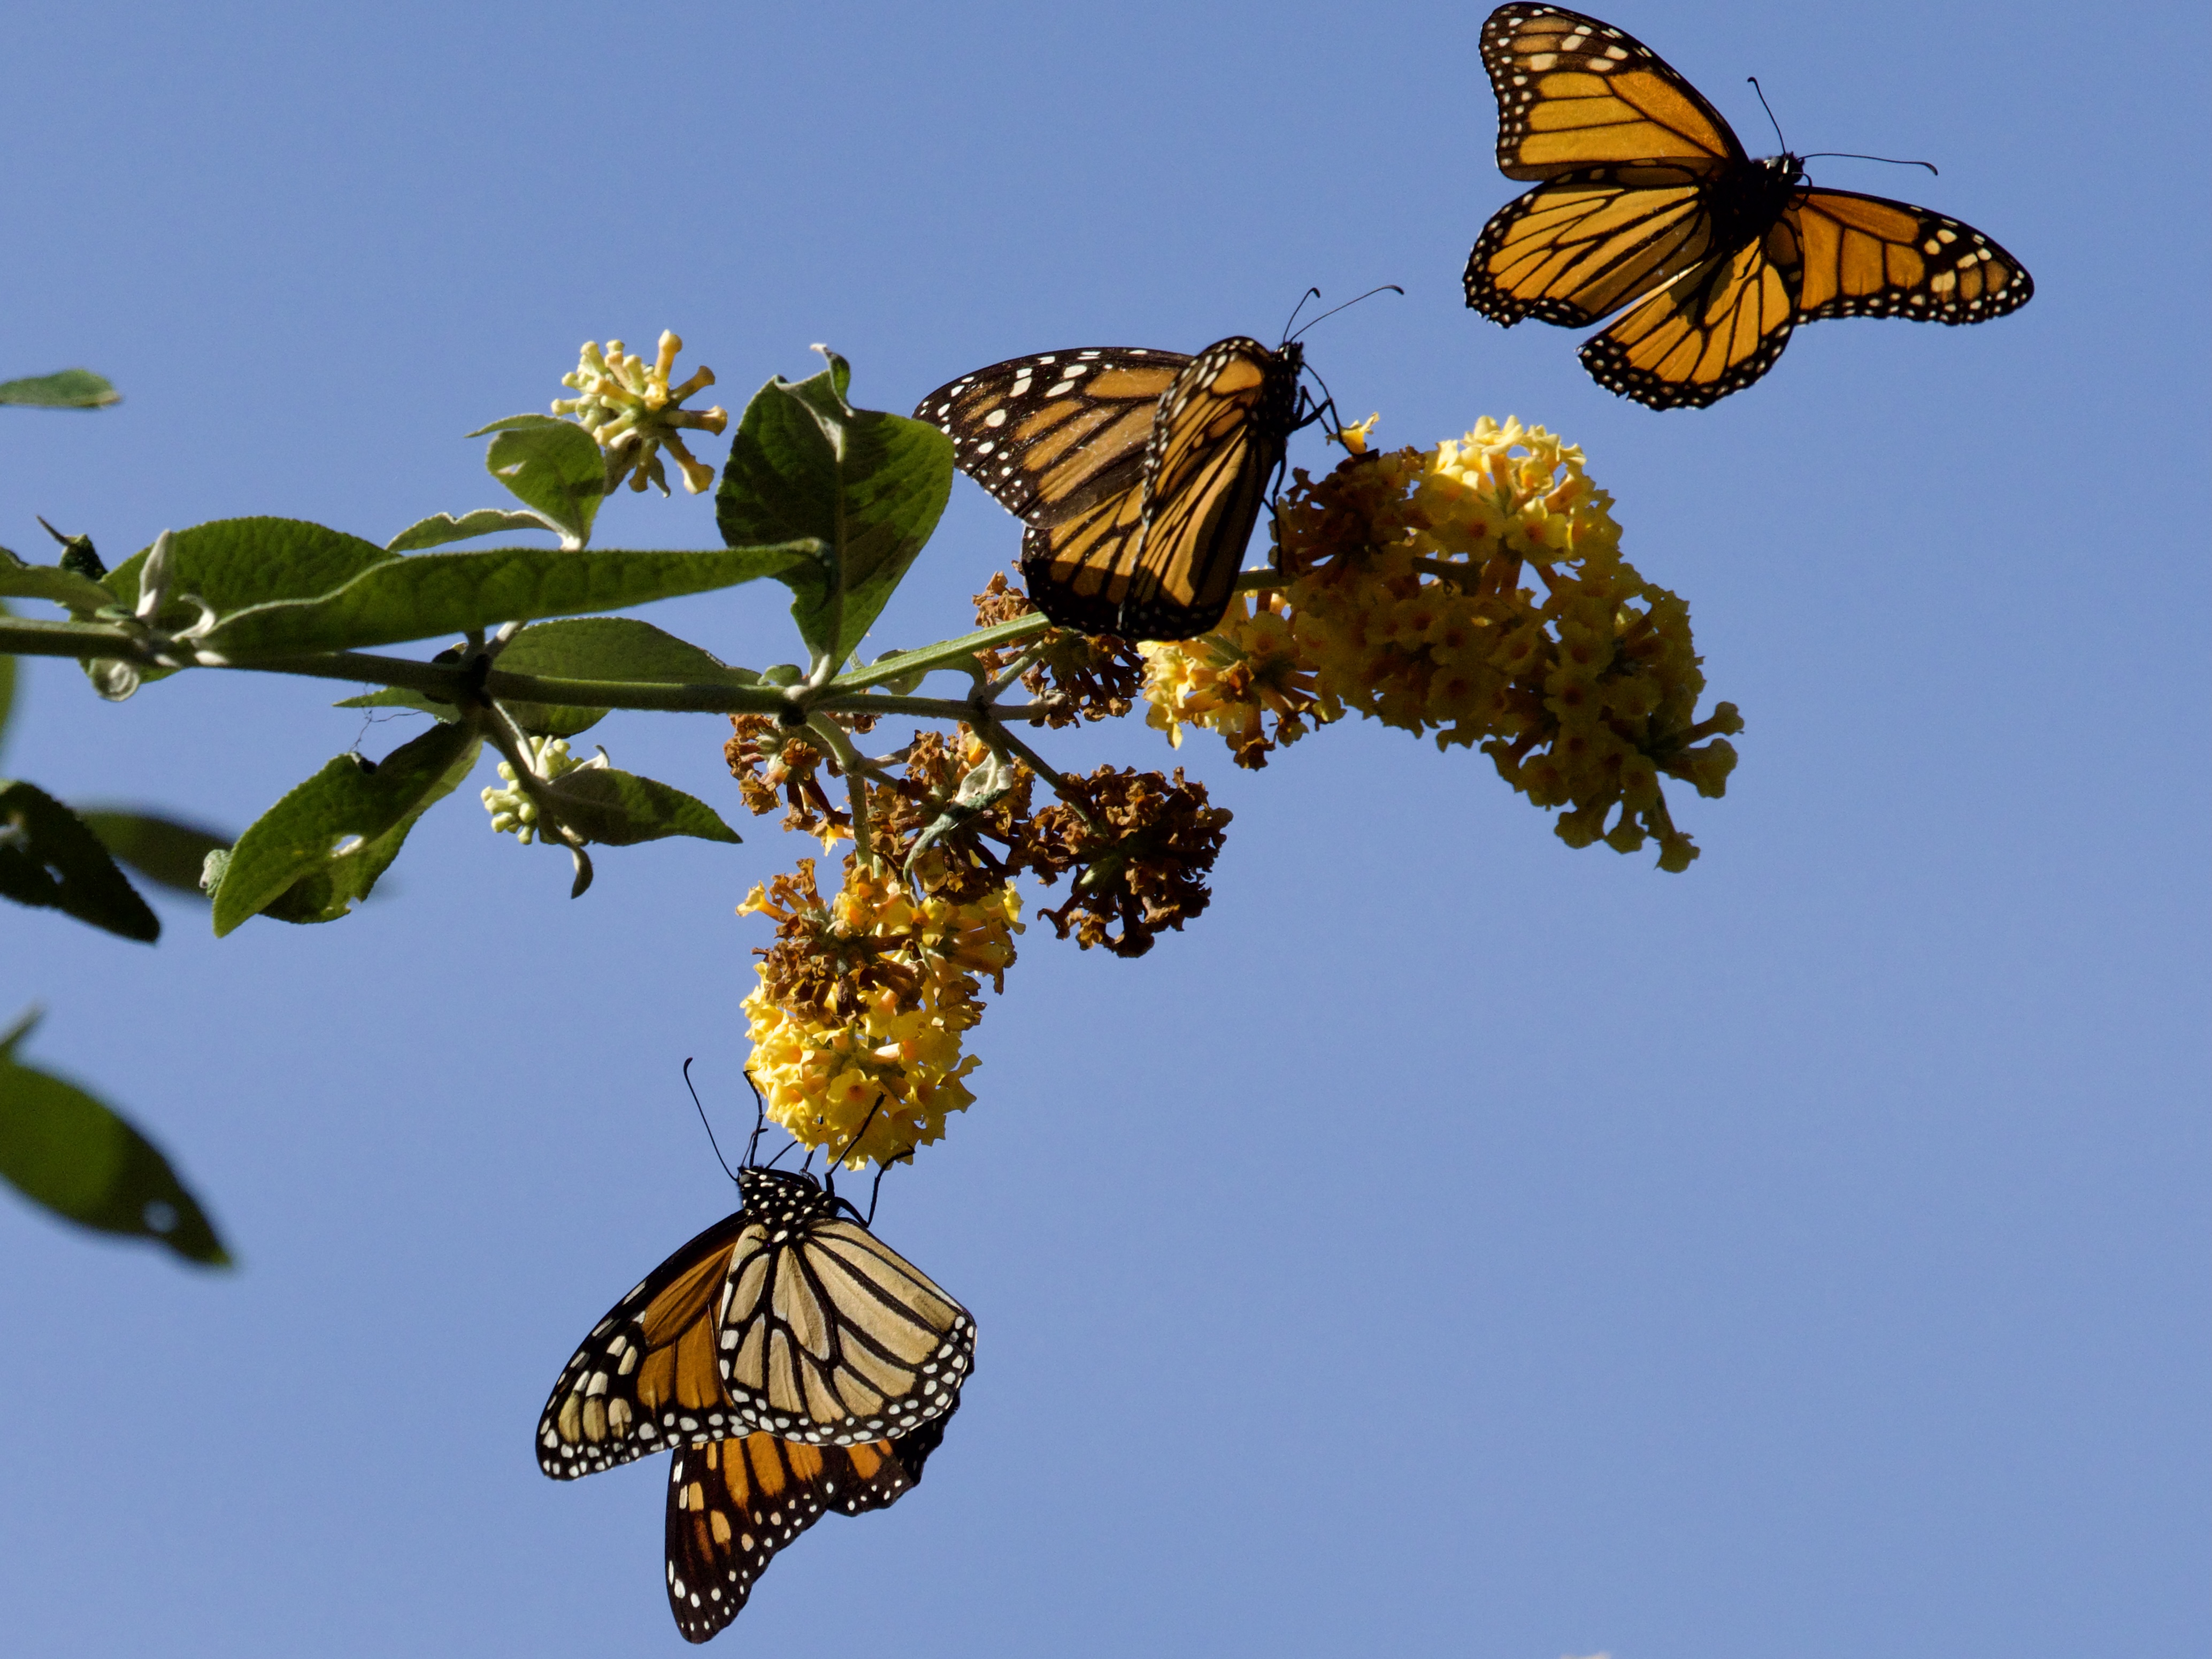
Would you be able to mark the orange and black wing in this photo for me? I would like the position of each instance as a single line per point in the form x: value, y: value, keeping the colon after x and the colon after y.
x: 1215, y: 446
x: 828, y: 1336
x: 1139, y: 474
x: 648, y: 1376
x: 732, y: 1503
x: 1056, y: 434
x: 1865, y: 256
x: 1575, y: 94
x: 1714, y: 332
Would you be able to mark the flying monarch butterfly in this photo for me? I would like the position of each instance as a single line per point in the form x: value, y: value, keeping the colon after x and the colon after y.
x: 1139, y: 474
x: 788, y: 1317
x: 733, y: 1503
x: 1647, y: 200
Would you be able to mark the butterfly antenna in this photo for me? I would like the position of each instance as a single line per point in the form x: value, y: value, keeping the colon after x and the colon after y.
x: 1311, y: 294
x: 1853, y: 155
x: 876, y: 1191
x: 1769, y: 108
x: 1387, y: 288
x: 830, y: 1169
x: 709, y: 1127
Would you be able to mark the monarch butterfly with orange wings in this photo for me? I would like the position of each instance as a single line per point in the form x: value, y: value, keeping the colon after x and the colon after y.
x: 1646, y: 200
x: 1138, y: 474
x: 788, y: 1318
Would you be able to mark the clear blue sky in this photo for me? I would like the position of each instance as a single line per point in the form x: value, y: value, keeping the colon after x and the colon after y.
x: 1453, y: 1244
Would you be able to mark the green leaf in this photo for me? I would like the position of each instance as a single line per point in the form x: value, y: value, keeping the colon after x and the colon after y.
x: 620, y: 808
x: 442, y: 527
x: 867, y: 487
x: 72, y: 388
x: 235, y: 564
x: 398, y: 696
x: 160, y: 849
x: 604, y: 648
x: 79, y: 595
x: 69, y: 1153
x: 324, y: 844
x: 49, y: 859
x: 551, y: 465
x: 429, y: 594
x: 7, y: 691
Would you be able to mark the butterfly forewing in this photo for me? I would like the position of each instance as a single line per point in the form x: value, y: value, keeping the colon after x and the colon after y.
x: 828, y: 1336
x: 1574, y: 93
x: 1052, y: 434
x: 1140, y: 474
x: 1574, y: 251
x: 649, y: 1373
x: 732, y: 1503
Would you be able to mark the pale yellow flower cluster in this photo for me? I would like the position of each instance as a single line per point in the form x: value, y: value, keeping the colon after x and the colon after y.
x: 632, y: 413
x: 857, y: 1019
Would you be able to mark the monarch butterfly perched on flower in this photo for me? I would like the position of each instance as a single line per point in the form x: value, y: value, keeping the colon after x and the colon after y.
x: 789, y: 1318
x: 1139, y: 474
x: 1647, y: 200
x: 732, y: 1503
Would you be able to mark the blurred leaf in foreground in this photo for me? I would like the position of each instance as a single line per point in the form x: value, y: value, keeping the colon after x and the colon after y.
x: 67, y: 1152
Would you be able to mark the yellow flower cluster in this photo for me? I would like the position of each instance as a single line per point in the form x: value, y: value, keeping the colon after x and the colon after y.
x: 1403, y: 601
x: 1231, y: 680
x: 858, y: 1017
x: 632, y: 413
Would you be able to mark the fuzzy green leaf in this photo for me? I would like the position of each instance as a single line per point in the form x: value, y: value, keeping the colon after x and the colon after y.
x: 70, y: 388
x: 620, y: 808
x: 552, y: 466
x: 49, y: 858
x: 161, y: 849
x: 78, y: 595
x: 442, y: 527
x: 68, y: 1152
x: 865, y: 487
x: 399, y: 696
x: 429, y: 594
x: 604, y: 648
x: 233, y: 564
x: 323, y: 845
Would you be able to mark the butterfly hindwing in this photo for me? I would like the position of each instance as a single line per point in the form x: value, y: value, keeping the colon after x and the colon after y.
x: 1713, y: 332
x: 649, y: 1374
x: 1574, y: 93
x: 828, y: 1336
x: 734, y: 1503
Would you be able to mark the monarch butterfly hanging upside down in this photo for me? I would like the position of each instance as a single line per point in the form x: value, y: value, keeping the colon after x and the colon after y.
x: 1647, y: 200
x: 1139, y: 474
x: 792, y: 1361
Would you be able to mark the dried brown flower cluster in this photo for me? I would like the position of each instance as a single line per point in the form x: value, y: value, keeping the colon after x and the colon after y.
x: 1084, y: 677
x: 1137, y: 849
x: 1141, y: 861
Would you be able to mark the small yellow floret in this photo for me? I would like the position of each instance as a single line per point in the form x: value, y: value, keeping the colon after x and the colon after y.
x: 632, y: 413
